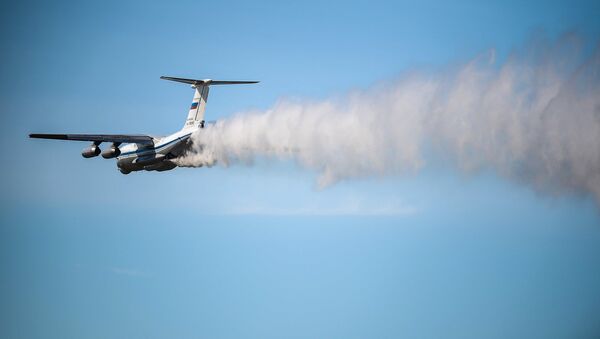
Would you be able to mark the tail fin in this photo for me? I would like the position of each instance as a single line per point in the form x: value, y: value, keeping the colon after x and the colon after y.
x: 196, y: 113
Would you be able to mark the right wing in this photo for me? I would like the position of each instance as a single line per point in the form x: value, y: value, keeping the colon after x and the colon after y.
x: 98, y: 138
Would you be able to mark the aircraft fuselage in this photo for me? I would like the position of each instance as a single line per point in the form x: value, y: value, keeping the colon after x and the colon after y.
x: 156, y: 157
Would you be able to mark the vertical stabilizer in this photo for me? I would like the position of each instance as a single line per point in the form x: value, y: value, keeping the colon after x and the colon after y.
x: 195, y: 116
x: 196, y: 113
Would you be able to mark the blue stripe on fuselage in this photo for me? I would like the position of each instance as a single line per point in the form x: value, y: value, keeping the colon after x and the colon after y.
x: 154, y: 149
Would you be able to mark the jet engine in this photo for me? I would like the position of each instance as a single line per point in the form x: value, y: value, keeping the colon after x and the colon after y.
x: 111, y: 152
x: 91, y: 151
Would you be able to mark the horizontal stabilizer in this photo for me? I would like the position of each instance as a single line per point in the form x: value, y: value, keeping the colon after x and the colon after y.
x: 208, y: 82
x: 118, y: 138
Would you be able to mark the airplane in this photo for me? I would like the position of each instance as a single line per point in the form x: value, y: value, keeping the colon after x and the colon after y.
x: 145, y: 152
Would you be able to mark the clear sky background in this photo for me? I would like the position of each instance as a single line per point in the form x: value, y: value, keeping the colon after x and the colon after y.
x: 258, y: 251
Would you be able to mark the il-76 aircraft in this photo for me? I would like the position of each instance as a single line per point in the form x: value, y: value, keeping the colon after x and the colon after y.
x: 145, y: 152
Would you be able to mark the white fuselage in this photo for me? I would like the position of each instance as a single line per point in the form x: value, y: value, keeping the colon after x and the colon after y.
x: 156, y: 157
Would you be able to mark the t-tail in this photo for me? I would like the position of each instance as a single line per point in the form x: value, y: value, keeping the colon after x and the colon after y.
x: 195, y: 116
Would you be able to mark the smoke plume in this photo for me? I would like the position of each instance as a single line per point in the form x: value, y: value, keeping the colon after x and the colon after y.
x: 534, y: 118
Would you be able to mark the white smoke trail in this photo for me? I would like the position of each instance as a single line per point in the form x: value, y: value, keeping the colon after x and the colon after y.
x: 534, y: 119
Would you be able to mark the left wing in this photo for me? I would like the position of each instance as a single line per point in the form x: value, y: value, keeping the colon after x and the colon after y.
x: 98, y: 138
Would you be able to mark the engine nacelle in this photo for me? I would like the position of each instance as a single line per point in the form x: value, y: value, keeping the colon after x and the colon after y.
x: 91, y: 151
x: 111, y: 152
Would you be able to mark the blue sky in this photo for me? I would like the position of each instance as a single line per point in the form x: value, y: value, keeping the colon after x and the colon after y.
x: 258, y: 251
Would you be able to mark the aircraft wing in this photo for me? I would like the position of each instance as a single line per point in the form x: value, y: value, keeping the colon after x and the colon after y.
x: 98, y: 138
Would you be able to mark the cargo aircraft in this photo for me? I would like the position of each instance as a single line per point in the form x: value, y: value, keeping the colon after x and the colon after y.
x: 145, y: 152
